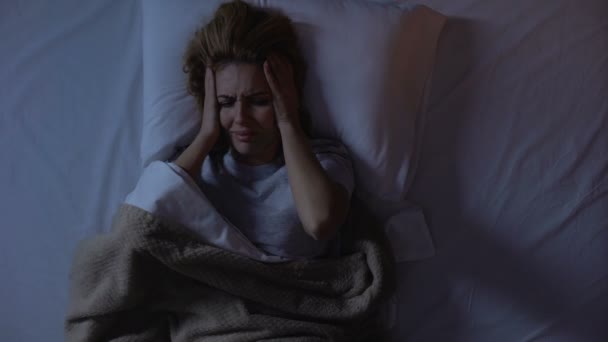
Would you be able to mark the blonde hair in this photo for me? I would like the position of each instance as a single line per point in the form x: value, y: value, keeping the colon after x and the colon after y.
x: 239, y: 32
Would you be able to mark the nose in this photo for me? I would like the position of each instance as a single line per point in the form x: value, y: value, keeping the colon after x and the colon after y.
x: 241, y: 111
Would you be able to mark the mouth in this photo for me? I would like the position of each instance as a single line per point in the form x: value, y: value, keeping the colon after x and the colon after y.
x: 244, y: 136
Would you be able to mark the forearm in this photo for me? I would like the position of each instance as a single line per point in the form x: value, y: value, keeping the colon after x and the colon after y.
x: 191, y: 159
x: 317, y: 198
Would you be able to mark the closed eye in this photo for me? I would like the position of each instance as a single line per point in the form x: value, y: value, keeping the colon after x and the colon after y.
x: 228, y: 101
x: 260, y: 102
x: 225, y: 101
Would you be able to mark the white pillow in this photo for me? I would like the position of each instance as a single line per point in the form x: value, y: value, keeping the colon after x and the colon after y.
x: 369, y: 70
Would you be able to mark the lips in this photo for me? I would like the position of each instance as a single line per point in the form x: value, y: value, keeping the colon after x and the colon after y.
x: 244, y: 136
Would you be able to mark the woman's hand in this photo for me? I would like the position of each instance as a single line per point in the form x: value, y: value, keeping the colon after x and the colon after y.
x: 191, y: 159
x: 279, y: 75
x: 322, y: 204
x: 210, y: 123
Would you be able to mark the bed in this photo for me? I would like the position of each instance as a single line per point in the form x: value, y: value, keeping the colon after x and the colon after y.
x: 71, y: 99
x: 512, y: 175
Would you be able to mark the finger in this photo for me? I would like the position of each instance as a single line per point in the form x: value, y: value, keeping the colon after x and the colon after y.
x: 282, y: 69
x: 276, y: 65
x: 270, y: 78
x: 210, y: 86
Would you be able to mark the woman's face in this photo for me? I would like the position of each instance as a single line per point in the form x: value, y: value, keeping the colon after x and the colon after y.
x: 246, y: 112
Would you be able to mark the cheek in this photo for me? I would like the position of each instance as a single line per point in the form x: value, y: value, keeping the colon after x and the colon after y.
x: 265, y: 118
x: 226, y: 118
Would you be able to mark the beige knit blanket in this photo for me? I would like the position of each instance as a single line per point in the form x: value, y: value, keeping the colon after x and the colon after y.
x: 151, y: 280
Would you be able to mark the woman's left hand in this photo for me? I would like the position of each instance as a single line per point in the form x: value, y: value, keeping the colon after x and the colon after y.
x: 279, y: 75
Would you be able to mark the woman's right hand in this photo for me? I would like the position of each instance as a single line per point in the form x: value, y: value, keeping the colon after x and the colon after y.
x: 192, y: 157
x: 210, y: 123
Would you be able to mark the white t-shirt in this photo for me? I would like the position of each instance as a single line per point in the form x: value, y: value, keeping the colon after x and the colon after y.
x: 258, y: 199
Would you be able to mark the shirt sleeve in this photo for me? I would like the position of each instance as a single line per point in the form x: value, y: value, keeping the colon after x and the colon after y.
x: 335, y: 160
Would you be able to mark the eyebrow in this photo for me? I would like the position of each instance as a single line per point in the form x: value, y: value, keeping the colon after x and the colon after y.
x: 258, y: 93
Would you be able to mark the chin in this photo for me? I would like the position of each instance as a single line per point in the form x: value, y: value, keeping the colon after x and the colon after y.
x: 244, y: 148
x: 254, y: 150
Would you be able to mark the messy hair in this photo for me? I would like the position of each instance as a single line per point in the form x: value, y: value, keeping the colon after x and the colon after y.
x: 241, y: 33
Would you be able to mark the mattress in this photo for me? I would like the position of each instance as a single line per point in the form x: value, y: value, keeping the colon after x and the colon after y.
x: 512, y: 174
x: 70, y: 126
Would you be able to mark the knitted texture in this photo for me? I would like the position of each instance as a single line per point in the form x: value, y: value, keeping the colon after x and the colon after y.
x: 152, y: 280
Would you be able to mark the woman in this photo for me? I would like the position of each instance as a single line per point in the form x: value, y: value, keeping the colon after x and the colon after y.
x: 151, y: 280
x: 252, y: 156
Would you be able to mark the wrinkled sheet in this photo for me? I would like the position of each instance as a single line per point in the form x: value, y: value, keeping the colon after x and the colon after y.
x: 167, y: 191
x: 513, y: 177
x: 70, y: 126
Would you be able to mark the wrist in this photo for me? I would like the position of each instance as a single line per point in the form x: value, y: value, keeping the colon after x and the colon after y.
x: 290, y: 126
x: 207, y: 135
x: 205, y: 141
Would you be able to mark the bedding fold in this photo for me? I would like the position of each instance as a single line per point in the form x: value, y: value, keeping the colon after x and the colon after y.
x: 170, y: 194
x: 153, y: 280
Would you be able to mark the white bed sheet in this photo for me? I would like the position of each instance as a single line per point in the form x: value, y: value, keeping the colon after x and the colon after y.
x: 512, y: 174
x: 513, y: 177
x: 70, y: 123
